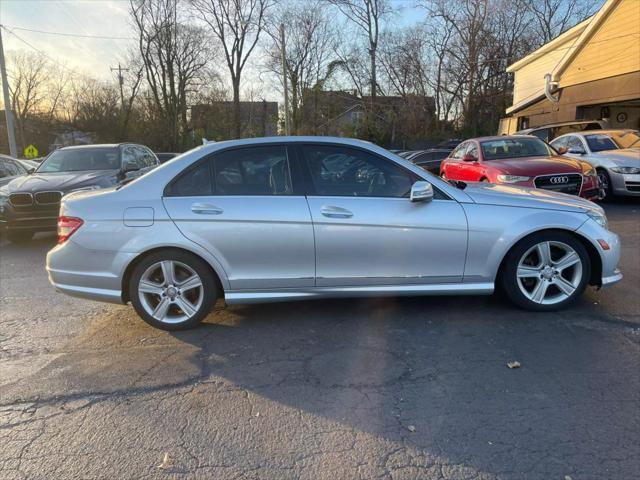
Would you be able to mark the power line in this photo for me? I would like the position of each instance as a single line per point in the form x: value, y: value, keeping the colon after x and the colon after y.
x: 37, y: 49
x: 62, y: 34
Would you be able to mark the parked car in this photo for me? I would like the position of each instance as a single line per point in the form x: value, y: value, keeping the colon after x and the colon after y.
x: 10, y: 168
x: 428, y: 159
x: 552, y: 130
x: 615, y: 154
x: 520, y: 160
x: 30, y: 203
x: 449, y: 144
x: 165, y: 156
x: 285, y: 218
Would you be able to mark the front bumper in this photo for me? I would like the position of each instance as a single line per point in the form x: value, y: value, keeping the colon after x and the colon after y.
x: 625, y: 184
x: 85, y: 273
x: 610, y: 258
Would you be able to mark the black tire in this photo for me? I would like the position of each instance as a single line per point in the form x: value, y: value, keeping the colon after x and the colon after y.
x: 19, y: 236
x: 209, y: 284
x: 509, y: 279
x: 604, y: 183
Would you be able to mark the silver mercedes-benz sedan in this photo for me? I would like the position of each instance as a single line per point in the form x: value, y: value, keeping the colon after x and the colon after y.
x: 615, y: 154
x: 288, y: 218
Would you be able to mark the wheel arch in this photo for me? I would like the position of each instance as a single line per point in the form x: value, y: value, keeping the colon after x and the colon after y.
x: 126, y: 276
x: 594, y: 256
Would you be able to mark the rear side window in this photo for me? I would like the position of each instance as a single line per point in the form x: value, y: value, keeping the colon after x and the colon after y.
x: 195, y: 182
x: 253, y: 171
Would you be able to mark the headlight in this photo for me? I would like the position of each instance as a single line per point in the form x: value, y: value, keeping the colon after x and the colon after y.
x: 628, y: 170
x: 588, y: 170
x: 599, y: 218
x: 512, y: 178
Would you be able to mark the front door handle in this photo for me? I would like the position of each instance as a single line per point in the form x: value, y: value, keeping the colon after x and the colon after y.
x: 206, y: 209
x: 336, y: 212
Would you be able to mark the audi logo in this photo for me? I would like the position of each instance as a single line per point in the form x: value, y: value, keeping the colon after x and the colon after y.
x: 557, y: 180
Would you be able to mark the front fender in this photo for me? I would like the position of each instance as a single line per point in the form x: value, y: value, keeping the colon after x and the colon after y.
x: 493, y: 230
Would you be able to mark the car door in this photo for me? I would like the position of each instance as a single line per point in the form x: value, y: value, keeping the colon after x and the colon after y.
x: 453, y: 170
x: 368, y: 232
x: 240, y: 205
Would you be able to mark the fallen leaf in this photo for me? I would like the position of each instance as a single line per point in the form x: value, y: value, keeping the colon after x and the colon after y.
x: 257, y: 414
x: 567, y: 477
x: 166, y: 462
x: 513, y: 364
x: 411, y: 428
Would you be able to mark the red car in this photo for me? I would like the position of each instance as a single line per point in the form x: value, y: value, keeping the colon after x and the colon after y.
x: 521, y: 160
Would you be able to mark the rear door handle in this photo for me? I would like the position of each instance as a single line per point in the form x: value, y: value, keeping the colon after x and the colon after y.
x: 336, y: 212
x: 206, y: 209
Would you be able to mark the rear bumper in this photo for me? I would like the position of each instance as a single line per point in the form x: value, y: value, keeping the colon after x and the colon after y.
x: 97, y: 276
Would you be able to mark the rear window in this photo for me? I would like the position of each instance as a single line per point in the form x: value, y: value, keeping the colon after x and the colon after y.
x: 514, y: 148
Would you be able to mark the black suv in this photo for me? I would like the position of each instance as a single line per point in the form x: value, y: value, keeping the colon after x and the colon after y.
x: 30, y: 203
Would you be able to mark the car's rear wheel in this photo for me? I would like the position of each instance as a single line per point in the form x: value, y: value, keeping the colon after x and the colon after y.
x: 172, y: 290
x: 546, y: 271
x: 19, y: 236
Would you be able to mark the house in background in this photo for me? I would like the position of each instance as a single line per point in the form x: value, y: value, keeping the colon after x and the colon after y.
x: 215, y: 120
x: 590, y: 72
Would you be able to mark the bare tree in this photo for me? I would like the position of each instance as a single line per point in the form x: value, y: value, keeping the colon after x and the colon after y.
x: 366, y: 15
x: 174, y: 54
x: 238, y: 25
x: 310, y: 43
x: 552, y: 17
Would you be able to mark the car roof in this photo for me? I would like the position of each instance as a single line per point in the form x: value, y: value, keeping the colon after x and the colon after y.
x: 213, y: 146
x: 96, y: 145
x: 499, y: 137
x: 600, y: 132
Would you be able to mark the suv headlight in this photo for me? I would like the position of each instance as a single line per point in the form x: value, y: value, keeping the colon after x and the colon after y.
x: 628, y: 170
x: 512, y: 178
x: 599, y: 218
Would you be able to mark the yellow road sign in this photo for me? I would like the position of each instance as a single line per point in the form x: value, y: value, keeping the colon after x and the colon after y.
x: 31, y: 152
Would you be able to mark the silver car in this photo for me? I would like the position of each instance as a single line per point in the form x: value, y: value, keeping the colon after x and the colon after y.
x: 615, y: 154
x: 287, y: 218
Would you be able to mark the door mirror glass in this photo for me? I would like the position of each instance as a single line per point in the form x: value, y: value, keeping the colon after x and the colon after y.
x: 421, y: 192
x: 469, y: 158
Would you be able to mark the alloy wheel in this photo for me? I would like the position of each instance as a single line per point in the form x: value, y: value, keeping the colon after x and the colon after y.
x: 549, y: 272
x: 171, y: 291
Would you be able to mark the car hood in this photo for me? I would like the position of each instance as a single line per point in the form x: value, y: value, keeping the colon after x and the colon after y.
x: 61, y: 181
x: 514, y: 196
x: 625, y: 156
x: 533, y: 166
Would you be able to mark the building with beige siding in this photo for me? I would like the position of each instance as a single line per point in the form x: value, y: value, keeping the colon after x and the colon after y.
x: 590, y: 72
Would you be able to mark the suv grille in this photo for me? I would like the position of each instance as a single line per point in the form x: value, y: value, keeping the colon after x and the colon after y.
x: 564, y: 183
x: 48, y: 198
x: 21, y: 199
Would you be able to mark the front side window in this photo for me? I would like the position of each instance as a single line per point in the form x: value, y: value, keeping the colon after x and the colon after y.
x: 574, y: 144
x: 458, y: 153
x: 252, y: 171
x: 514, y: 148
x: 9, y: 169
x: 78, y: 159
x: 350, y: 172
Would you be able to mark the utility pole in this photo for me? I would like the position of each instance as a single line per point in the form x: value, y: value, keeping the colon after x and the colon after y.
x: 287, y: 119
x: 120, y: 82
x: 7, y: 102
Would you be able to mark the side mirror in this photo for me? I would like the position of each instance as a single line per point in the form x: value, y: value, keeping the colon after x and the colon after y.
x: 562, y: 150
x: 421, y: 191
x: 130, y: 167
x: 469, y: 158
x: 31, y: 170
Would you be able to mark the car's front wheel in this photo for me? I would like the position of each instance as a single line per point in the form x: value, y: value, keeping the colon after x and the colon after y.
x: 604, y: 183
x: 172, y: 290
x: 546, y: 271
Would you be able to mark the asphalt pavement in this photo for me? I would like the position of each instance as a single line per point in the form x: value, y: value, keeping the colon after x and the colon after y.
x: 393, y: 388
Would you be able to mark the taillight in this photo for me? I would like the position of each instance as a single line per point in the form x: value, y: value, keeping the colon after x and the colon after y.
x: 67, y: 226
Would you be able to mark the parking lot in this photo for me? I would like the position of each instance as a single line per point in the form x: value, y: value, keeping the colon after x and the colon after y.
x: 396, y: 388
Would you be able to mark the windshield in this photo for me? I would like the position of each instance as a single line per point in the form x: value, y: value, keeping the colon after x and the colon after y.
x: 75, y: 160
x: 514, y: 148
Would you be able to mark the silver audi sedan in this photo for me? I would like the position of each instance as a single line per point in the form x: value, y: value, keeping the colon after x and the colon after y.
x: 288, y: 218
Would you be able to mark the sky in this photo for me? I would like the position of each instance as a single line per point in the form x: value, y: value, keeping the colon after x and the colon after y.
x: 110, y: 18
